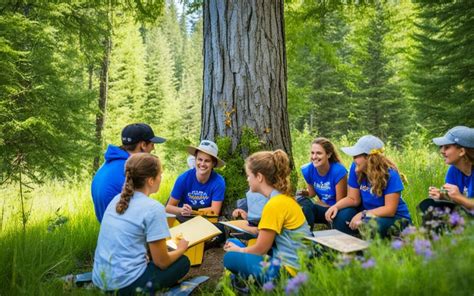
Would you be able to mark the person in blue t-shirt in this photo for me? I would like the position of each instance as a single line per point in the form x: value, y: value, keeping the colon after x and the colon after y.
x: 325, y: 178
x: 457, y: 149
x: 109, y: 179
x: 375, y: 190
x: 199, y: 187
x: 133, y: 223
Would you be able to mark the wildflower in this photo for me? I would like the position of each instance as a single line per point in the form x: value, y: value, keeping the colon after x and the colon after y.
x: 149, y: 284
x: 434, y: 236
x: 423, y: 247
x: 295, y: 283
x: 368, y: 264
x: 275, y: 262
x: 268, y: 286
x: 458, y: 230
x: 265, y: 264
x: 456, y: 219
x: 343, y: 261
x: 409, y: 230
x: 397, y: 244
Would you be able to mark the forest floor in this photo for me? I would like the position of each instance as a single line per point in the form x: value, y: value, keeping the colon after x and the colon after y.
x: 212, y: 266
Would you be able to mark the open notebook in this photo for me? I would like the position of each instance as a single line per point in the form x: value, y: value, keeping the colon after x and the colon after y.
x: 241, y: 226
x: 195, y: 230
x: 338, y: 241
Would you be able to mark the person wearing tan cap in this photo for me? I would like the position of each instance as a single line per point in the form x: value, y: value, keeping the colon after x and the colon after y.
x: 199, y: 187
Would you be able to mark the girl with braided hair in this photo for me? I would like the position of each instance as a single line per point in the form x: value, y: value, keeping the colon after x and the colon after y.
x: 282, y: 226
x: 375, y: 190
x: 131, y: 223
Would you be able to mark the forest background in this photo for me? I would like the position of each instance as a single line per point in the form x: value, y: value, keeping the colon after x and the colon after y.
x: 400, y: 70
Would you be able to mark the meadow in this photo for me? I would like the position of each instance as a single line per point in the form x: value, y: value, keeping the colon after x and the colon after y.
x: 61, y: 234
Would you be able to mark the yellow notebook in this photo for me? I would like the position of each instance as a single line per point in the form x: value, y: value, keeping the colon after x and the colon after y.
x: 195, y: 230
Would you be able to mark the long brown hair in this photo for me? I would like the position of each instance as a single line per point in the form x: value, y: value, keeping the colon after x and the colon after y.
x: 328, y: 148
x: 274, y: 166
x: 138, y: 168
x: 377, y: 172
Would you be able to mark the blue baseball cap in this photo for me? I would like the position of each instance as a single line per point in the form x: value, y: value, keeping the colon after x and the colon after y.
x: 365, y: 145
x: 136, y: 132
x: 461, y: 135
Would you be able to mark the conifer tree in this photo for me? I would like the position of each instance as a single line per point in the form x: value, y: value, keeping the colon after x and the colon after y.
x: 443, y: 67
x: 382, y: 109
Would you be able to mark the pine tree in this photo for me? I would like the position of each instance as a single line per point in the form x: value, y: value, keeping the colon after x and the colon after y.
x: 382, y: 109
x: 127, y: 78
x: 443, y: 66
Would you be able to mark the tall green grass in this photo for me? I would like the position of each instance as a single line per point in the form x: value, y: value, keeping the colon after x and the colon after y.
x: 32, y: 260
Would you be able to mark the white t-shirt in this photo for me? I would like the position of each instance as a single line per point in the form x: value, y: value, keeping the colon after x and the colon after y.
x: 120, y: 256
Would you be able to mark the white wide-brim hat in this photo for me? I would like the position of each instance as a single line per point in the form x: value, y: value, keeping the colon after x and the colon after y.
x: 209, y: 148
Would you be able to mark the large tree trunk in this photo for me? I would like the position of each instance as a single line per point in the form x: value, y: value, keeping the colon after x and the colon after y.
x: 103, y: 93
x: 245, y: 71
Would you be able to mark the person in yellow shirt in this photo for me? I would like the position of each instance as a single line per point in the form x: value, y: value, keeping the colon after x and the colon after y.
x: 281, y: 228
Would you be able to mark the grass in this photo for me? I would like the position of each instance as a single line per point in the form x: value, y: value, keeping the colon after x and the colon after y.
x: 62, y: 230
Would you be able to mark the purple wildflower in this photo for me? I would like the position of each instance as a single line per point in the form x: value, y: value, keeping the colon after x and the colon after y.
x: 458, y: 230
x: 397, y: 244
x: 295, y: 283
x: 265, y: 264
x: 268, y: 286
x: 456, y: 219
x: 275, y: 262
x: 343, y: 261
x: 368, y: 264
x: 409, y: 230
x: 423, y: 247
x: 434, y: 236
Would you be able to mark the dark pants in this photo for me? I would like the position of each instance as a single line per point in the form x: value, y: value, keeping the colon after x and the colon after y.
x: 384, y: 224
x: 158, y: 278
x: 313, y: 213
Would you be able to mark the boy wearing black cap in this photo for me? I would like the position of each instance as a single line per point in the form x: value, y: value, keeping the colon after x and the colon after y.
x: 109, y: 179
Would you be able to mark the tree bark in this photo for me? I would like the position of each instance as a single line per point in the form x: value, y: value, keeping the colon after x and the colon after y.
x: 103, y: 92
x: 245, y: 72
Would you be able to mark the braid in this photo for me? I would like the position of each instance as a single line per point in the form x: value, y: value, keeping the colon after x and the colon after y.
x: 138, y: 168
x: 127, y: 193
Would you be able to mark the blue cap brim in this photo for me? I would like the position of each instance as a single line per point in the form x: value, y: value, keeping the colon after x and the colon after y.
x: 440, y: 141
x: 157, y: 140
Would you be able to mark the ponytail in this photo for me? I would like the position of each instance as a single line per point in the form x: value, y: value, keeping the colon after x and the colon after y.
x: 138, y: 168
x: 274, y: 166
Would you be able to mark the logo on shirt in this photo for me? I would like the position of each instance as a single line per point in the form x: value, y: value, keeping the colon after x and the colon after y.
x: 364, y: 188
x: 323, y: 186
x: 197, y: 197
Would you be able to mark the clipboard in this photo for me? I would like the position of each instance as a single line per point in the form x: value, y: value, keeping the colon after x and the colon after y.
x: 195, y: 231
x: 241, y: 226
x: 339, y: 241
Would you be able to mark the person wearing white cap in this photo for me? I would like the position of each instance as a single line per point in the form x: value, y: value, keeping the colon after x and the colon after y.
x: 375, y: 190
x: 457, y: 149
x: 199, y: 187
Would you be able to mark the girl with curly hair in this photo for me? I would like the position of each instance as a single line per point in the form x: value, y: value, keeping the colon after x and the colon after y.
x: 375, y: 190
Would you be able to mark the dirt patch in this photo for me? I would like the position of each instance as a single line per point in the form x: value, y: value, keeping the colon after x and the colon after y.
x: 212, y: 266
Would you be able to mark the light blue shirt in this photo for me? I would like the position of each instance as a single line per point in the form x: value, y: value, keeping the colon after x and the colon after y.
x: 120, y: 256
x: 255, y: 203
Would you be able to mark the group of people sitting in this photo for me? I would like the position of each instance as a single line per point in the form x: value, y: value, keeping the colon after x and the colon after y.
x: 131, y: 249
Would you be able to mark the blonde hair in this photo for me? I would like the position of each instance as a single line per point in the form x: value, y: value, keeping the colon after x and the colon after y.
x: 138, y: 168
x: 377, y: 172
x: 274, y: 166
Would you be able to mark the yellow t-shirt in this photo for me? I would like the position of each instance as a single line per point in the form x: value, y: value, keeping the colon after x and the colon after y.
x: 284, y: 215
x: 281, y: 211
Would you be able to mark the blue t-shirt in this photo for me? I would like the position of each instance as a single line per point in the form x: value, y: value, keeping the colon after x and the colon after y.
x: 109, y: 179
x: 120, y: 256
x: 465, y: 183
x: 371, y: 201
x: 324, y: 186
x: 188, y: 190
